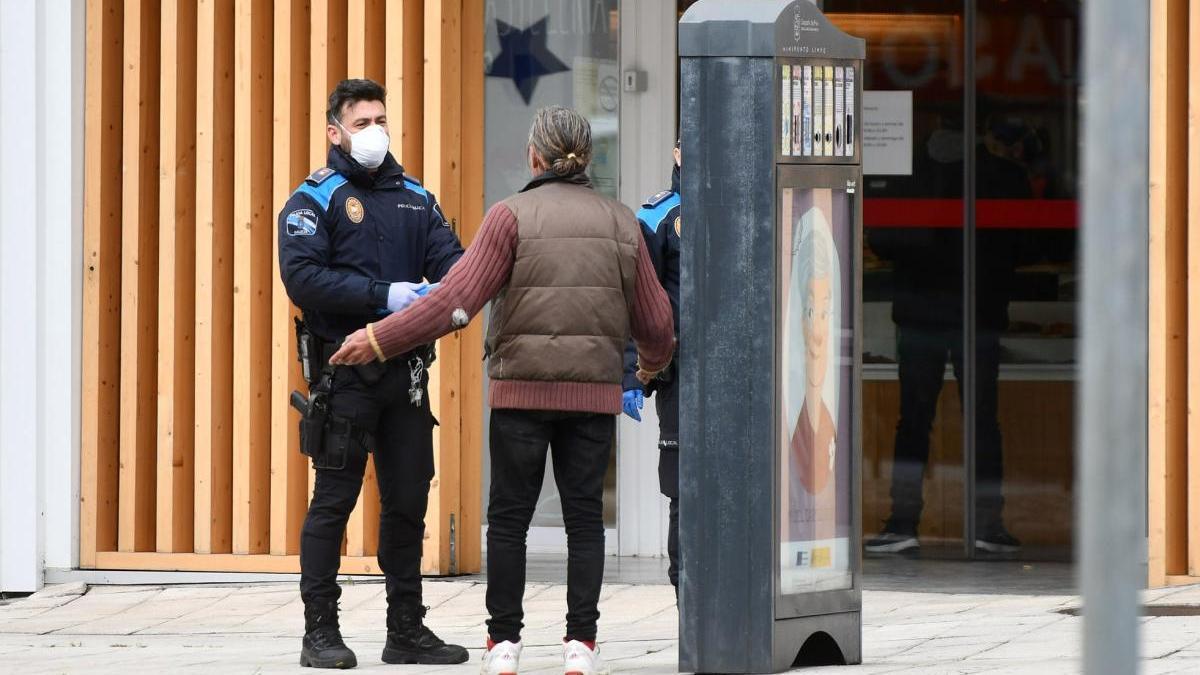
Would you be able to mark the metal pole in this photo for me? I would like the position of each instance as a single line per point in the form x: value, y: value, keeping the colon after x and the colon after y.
x: 1112, y: 419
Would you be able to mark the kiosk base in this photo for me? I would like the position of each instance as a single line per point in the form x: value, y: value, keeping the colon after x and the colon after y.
x: 825, y: 640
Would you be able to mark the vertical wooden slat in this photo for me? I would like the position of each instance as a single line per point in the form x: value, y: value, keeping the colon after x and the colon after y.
x: 328, y: 65
x: 99, y: 433
x: 139, y: 277
x: 252, y: 254
x: 365, y: 31
x: 214, y: 277
x: 1167, y: 442
x: 327, y: 54
x: 405, y: 76
x: 364, y: 44
x: 471, y: 367
x: 177, y: 277
x: 1193, y: 292
x: 289, y: 476
x: 443, y: 161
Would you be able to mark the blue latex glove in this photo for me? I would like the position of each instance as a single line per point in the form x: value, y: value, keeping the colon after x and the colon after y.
x: 402, y: 294
x: 425, y: 289
x: 631, y: 403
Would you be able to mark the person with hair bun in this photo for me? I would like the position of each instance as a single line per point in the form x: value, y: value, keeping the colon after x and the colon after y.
x: 571, y: 282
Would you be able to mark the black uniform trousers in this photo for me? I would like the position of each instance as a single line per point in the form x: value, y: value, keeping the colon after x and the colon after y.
x: 401, y: 438
x: 666, y: 401
x: 922, y: 355
x: 580, y: 445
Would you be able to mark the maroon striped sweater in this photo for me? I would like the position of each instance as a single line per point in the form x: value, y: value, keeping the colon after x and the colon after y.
x: 480, y: 274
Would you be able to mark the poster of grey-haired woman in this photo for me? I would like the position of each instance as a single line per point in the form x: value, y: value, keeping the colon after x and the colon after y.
x: 816, y: 369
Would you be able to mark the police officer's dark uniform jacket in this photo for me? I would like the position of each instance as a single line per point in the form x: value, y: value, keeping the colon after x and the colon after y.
x: 344, y: 236
x: 660, y: 221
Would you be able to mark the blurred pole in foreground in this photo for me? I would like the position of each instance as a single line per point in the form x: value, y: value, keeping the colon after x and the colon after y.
x: 1113, y: 398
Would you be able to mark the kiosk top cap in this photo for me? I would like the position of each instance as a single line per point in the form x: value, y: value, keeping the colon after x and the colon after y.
x: 767, y: 28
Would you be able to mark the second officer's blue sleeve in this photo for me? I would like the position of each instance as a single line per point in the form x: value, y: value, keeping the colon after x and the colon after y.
x: 304, y: 254
x: 442, y: 248
x: 656, y: 244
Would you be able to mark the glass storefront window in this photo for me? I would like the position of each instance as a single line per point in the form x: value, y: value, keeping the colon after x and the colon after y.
x: 913, y: 487
x: 1026, y: 158
x: 994, y: 391
x: 541, y: 53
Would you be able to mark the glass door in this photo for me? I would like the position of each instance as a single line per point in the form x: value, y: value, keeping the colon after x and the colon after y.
x: 969, y: 305
x: 537, y: 54
x: 913, y: 329
x: 1023, y: 253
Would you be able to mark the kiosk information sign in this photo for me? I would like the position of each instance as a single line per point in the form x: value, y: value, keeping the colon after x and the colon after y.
x: 771, y: 97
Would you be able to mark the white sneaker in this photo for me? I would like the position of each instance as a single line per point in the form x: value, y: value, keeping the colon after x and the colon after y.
x: 578, y: 659
x: 502, y: 659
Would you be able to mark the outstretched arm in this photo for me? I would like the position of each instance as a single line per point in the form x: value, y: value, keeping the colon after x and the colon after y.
x: 467, y: 287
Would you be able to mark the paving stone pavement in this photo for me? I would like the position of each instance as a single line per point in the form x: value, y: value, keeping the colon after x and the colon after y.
x: 256, y: 628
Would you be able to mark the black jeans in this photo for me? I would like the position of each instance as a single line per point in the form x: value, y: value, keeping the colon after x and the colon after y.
x: 580, y: 445
x: 402, y: 438
x: 666, y: 398
x: 922, y: 355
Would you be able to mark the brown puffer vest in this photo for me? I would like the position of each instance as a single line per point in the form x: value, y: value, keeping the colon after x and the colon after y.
x: 564, y: 314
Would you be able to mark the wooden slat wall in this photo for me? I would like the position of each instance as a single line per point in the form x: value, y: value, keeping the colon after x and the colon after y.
x: 99, y: 428
x: 1193, y: 290
x: 201, y: 118
x: 177, y: 278
x: 443, y: 161
x: 289, y: 471
x: 214, y: 278
x: 139, y: 277
x: 365, y: 58
x: 252, y: 253
x: 1168, y: 334
x: 470, y: 550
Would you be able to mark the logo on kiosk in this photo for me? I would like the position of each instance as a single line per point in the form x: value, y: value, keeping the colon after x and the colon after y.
x: 802, y: 25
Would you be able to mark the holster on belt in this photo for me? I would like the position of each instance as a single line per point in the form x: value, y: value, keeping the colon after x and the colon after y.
x: 324, y: 437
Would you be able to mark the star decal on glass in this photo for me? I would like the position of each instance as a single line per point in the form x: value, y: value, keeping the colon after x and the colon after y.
x: 524, y: 56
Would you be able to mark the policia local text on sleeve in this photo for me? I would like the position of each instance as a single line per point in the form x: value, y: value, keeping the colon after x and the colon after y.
x: 359, y: 239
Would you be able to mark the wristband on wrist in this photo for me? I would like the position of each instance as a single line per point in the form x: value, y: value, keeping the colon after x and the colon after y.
x: 375, y: 343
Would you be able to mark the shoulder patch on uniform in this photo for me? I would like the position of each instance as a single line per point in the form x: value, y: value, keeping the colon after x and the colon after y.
x: 301, y: 223
x: 415, y: 185
x: 322, y: 191
x: 654, y: 212
x: 658, y: 199
x: 317, y: 177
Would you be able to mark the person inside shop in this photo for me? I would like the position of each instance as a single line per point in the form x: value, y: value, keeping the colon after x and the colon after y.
x: 660, y: 221
x: 927, y: 309
x: 572, y: 281
x: 359, y: 239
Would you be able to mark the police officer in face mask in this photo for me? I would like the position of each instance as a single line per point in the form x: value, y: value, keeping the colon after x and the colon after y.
x: 357, y: 240
x: 659, y: 218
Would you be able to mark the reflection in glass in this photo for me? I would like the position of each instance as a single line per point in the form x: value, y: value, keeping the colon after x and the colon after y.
x: 1026, y: 99
x: 913, y: 141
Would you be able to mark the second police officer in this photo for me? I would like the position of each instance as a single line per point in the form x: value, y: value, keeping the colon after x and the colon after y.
x: 356, y: 239
x: 660, y: 221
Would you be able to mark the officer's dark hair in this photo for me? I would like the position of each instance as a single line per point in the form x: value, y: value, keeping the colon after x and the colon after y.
x: 349, y: 92
x: 563, y: 139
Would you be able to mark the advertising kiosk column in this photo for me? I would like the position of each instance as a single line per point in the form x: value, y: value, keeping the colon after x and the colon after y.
x: 770, y: 446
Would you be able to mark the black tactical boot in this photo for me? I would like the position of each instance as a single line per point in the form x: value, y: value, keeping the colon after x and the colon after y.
x: 410, y: 641
x: 323, y: 646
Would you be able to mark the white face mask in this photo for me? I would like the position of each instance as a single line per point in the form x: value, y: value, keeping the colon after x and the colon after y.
x: 368, y: 146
